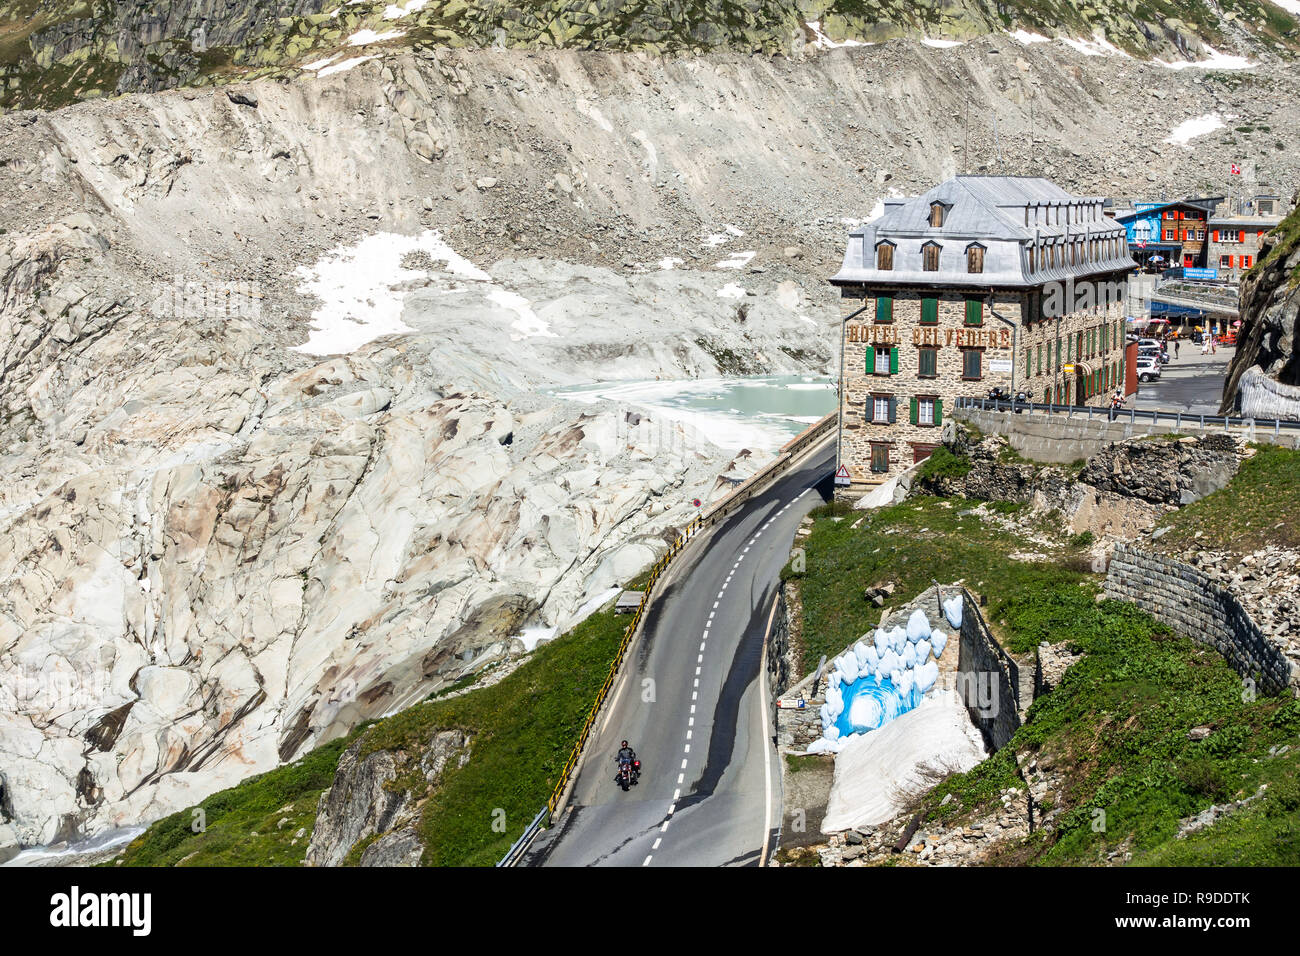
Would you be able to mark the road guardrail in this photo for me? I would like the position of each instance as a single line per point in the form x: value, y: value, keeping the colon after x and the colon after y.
x: 788, y: 452
x: 1133, y: 415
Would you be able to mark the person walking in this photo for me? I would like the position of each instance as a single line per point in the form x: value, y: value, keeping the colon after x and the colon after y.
x: 1175, y: 348
x: 1214, y: 344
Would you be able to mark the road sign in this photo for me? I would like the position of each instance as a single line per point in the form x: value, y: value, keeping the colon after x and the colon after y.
x: 999, y: 365
x: 789, y: 704
x: 696, y: 502
x: 842, y: 476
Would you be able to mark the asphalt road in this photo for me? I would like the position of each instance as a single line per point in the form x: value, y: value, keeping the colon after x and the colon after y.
x: 1191, y: 383
x: 693, y: 704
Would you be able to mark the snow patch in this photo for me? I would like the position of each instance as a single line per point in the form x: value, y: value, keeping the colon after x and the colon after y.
x: 1215, y: 61
x: 941, y: 44
x: 358, y: 288
x: 1025, y: 37
x: 1097, y: 46
x: 731, y: 291
x: 529, y: 323
x: 1188, y: 130
x: 395, y: 12
x: 822, y: 42
x: 737, y: 260
x: 364, y: 37
x: 876, y: 773
x: 346, y: 65
x: 532, y: 636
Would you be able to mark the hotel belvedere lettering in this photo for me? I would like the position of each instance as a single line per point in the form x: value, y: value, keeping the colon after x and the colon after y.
x: 962, y: 338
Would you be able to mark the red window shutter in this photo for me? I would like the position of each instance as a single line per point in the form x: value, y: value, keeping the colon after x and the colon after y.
x: 1216, y: 235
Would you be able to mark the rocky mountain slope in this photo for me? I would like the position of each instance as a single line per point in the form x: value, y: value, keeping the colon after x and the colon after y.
x: 56, y: 51
x: 277, y: 360
x: 1264, y: 377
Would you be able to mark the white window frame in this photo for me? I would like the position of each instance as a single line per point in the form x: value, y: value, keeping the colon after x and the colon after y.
x: 922, y: 404
x: 880, y: 410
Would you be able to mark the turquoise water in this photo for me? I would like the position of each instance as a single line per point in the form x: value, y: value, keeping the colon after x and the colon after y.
x: 756, y: 412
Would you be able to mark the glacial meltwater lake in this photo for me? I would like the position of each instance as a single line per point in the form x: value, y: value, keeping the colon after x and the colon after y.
x: 760, y: 413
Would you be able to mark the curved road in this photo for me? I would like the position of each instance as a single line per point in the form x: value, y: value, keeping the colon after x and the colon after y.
x: 693, y: 704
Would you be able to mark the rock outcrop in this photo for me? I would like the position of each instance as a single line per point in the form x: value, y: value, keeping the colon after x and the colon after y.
x: 77, y: 49
x: 1119, y: 492
x: 1264, y: 376
x: 367, y: 803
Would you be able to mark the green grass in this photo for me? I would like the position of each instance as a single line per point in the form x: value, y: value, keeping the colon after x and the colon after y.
x: 523, y: 729
x: 912, y: 544
x: 942, y: 463
x: 1117, y: 725
x: 242, y: 823
x: 1257, y: 508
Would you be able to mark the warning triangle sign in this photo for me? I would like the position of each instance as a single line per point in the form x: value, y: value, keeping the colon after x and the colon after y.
x: 841, y: 473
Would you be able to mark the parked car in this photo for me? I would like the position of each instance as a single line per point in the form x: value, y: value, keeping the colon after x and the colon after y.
x: 1148, y: 367
x: 1146, y: 346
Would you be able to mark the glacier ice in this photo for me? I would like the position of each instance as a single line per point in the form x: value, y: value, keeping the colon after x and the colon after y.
x: 926, y: 675
x: 952, y: 610
x: 918, y: 626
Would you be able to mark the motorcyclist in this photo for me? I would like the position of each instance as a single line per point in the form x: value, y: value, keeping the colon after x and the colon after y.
x: 625, y: 753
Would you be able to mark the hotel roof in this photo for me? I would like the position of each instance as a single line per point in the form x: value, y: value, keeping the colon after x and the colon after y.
x: 1015, y: 219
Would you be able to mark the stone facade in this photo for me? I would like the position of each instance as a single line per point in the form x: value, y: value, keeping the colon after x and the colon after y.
x: 1193, y: 604
x: 1076, y: 359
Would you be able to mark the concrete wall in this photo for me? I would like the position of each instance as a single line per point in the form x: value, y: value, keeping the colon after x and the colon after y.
x: 1190, y: 603
x: 1061, y: 439
x: 989, y: 680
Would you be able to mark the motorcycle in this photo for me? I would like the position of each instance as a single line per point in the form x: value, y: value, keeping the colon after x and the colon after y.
x: 629, y: 773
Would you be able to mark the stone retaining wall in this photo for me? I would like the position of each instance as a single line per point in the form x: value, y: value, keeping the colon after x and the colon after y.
x: 989, y: 678
x: 1194, y: 605
x: 1060, y: 439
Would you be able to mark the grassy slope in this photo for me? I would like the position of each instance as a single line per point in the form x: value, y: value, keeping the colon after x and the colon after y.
x: 913, y: 544
x: 1118, y: 723
x: 1261, y: 506
x: 242, y: 823
x: 524, y: 728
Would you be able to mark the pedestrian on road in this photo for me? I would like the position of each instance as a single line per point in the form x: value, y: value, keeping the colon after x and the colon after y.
x: 1214, y: 344
x: 1175, y: 348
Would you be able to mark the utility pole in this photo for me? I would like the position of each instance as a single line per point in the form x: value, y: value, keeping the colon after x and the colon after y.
x: 965, y: 153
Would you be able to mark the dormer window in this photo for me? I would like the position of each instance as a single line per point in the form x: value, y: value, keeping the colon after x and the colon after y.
x: 936, y: 215
x: 885, y: 256
x: 974, y: 258
x: 930, y: 256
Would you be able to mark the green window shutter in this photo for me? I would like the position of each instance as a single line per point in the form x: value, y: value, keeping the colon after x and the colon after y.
x: 893, y: 361
x: 938, y: 411
x: 893, y: 410
x: 1029, y: 363
x: 930, y: 311
x: 912, y: 414
x: 884, y: 308
x: 871, y: 360
x: 974, y: 312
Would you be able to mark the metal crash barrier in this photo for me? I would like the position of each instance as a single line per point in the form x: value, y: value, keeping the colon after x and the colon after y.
x: 811, y: 436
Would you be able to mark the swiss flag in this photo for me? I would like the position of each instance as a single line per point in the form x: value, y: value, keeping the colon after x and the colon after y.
x: 1236, y: 169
